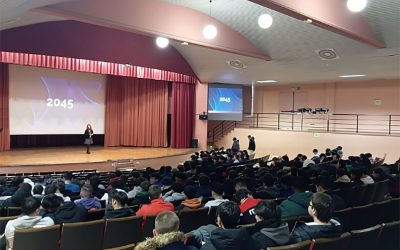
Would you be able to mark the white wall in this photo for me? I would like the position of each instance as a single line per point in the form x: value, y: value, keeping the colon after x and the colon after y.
x: 292, y: 143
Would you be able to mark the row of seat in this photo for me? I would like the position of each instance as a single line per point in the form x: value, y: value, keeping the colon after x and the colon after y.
x: 381, y: 236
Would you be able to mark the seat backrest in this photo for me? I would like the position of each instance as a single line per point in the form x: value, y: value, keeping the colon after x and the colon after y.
x: 382, y: 190
x: 304, y: 245
x: 363, y: 217
x: 149, y: 225
x: 212, y: 215
x: 394, y: 209
x: 357, y: 195
x: 3, y: 222
x: 365, y: 238
x: 193, y: 219
x: 122, y: 231
x: 389, y: 239
x: 82, y: 235
x: 370, y: 192
x: 13, y: 211
x: 96, y: 214
x: 44, y: 238
x: 384, y: 214
x: 335, y: 243
x: 346, y: 218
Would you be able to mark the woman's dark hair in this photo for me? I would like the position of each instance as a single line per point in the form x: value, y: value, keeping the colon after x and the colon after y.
x: 267, y: 209
x: 229, y: 214
x: 190, y: 191
x: 177, y: 187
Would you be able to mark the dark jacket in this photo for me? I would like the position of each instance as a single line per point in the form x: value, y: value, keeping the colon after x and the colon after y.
x: 295, y: 205
x: 167, y: 241
x: 270, y: 233
x: 252, y: 145
x: 118, y: 213
x: 68, y: 213
x: 229, y: 239
x: 16, y: 199
x: 308, y: 232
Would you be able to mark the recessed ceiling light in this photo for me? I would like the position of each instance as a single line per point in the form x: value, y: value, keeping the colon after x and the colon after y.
x: 265, y: 21
x: 356, y: 5
x: 184, y: 43
x: 266, y: 81
x: 210, y: 31
x: 350, y: 76
x: 162, y: 42
x: 308, y: 20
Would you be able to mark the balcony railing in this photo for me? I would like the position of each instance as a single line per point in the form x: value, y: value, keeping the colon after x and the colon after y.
x: 388, y: 125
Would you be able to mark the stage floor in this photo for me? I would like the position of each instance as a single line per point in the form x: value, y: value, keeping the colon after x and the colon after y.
x: 101, y: 158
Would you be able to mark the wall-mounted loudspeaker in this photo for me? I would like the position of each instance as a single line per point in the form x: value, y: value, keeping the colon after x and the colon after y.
x: 203, y: 117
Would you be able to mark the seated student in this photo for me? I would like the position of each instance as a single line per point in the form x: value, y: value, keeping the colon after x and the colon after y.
x: 58, y: 188
x: 87, y: 200
x: 342, y: 179
x: 37, y: 191
x: 296, y: 204
x: 175, y: 194
x: 157, y: 204
x: 324, y: 185
x: 62, y: 212
x: 191, y: 201
x: 142, y: 197
x: 118, y: 202
x: 217, y: 191
x: 227, y: 235
x: 270, y: 230
x: 166, y: 234
x: 247, y: 204
x: 69, y: 186
x: 18, y: 196
x: 30, y: 219
x: 204, y: 190
x: 268, y: 191
x: 323, y: 226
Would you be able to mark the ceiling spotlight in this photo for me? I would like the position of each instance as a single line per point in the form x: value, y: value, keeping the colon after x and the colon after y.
x: 351, y: 76
x: 265, y: 21
x: 184, y: 43
x: 266, y: 81
x: 162, y: 42
x: 356, y: 5
x: 308, y: 20
x: 210, y: 31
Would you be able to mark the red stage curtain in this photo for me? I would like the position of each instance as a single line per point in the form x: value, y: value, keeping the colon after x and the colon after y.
x: 136, y: 112
x: 4, y: 112
x: 84, y: 65
x: 182, y: 114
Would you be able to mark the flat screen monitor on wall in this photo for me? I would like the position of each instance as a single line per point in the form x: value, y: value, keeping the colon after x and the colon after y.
x: 225, y: 102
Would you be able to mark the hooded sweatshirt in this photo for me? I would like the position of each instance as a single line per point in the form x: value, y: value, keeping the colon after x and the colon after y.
x: 229, y: 239
x: 270, y: 232
x: 295, y: 205
x: 24, y: 221
x: 68, y: 213
x: 308, y: 231
x: 172, y: 240
x: 89, y: 203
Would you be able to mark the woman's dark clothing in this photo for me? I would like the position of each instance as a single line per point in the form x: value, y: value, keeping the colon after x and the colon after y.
x: 88, y: 139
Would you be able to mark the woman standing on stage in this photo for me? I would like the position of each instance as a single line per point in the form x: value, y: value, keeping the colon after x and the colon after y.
x: 88, y: 137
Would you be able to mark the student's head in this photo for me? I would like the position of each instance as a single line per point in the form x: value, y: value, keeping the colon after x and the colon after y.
x: 51, y: 202
x: 204, y: 180
x: 315, y: 151
x: 298, y: 183
x: 190, y: 191
x: 154, y: 192
x: 118, y: 199
x: 217, y: 189
x: 88, y: 126
x: 166, y: 222
x: 37, y: 189
x: 177, y: 187
x: 321, y: 207
x: 68, y: 176
x: 240, y: 184
x: 30, y: 206
x: 323, y: 183
x: 154, y: 177
x: 145, y: 185
x: 266, y: 209
x: 378, y: 173
x: 242, y: 194
x: 249, y: 137
x: 86, y: 191
x: 228, y: 215
x: 268, y: 180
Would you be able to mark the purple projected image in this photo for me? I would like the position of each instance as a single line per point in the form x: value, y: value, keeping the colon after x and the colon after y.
x: 50, y: 104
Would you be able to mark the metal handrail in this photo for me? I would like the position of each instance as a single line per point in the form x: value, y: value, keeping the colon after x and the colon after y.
x: 330, y: 123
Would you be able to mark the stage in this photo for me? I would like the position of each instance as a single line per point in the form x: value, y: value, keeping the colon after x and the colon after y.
x: 35, y: 160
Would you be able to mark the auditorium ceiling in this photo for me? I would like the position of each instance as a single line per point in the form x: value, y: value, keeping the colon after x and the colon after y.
x: 309, y: 41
